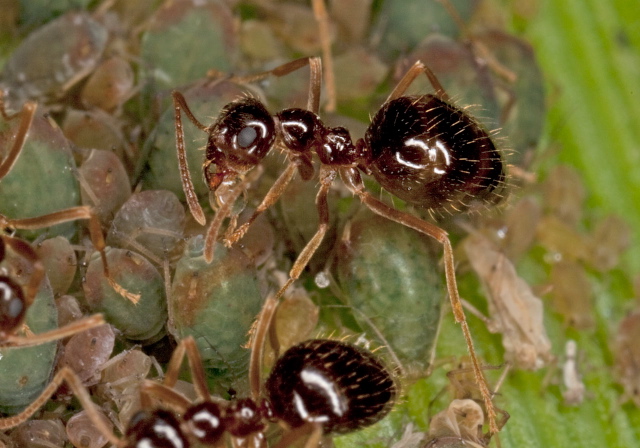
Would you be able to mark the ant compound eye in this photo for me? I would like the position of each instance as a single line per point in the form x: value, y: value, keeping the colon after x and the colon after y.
x: 205, y: 422
x: 12, y: 306
x: 247, y: 137
x: 242, y: 136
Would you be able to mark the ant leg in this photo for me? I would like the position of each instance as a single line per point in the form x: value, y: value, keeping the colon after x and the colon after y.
x: 289, y: 438
x: 180, y: 104
x: 70, y: 329
x: 73, y: 214
x: 26, y: 118
x: 315, y: 78
x: 163, y: 394
x: 270, y: 306
x: 352, y: 180
x: 320, y: 12
x: 75, y: 384
x: 187, y: 347
x: 59, y: 217
x: 272, y: 196
x: 415, y: 70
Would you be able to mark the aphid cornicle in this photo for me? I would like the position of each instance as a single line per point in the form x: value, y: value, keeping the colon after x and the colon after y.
x: 421, y: 149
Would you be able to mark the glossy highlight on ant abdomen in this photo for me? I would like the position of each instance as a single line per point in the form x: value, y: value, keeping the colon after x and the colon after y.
x: 433, y: 155
x: 338, y: 385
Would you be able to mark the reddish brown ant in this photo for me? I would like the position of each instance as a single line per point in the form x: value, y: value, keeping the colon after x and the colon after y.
x: 421, y: 149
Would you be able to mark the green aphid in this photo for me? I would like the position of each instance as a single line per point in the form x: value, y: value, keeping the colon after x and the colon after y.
x: 26, y: 371
x: 392, y: 279
x: 134, y: 301
x: 43, y: 178
x: 184, y: 40
x: 216, y: 304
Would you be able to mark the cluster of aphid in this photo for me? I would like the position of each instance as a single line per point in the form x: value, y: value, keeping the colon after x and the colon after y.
x: 421, y: 149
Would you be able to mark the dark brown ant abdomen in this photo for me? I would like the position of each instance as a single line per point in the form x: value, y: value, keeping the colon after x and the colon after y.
x: 433, y: 155
x: 332, y: 383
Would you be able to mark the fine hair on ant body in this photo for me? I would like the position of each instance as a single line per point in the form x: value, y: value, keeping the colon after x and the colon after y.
x: 422, y: 149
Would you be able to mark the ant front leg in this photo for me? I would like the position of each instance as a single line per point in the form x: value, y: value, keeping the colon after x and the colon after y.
x: 26, y: 118
x: 299, y: 161
x: 353, y: 181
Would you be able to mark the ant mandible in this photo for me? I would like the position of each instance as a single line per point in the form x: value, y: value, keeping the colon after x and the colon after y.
x: 421, y: 149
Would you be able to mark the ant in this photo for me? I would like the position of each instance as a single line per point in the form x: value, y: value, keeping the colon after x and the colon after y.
x: 421, y: 149
x: 316, y: 387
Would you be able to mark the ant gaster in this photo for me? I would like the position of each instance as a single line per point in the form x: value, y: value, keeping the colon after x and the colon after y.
x: 421, y: 149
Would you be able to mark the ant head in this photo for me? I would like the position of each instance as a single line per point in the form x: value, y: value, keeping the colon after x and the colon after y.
x: 238, y: 140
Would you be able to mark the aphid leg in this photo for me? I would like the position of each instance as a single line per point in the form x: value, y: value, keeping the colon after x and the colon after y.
x: 75, y: 384
x: 354, y: 182
x: 26, y: 118
x: 301, y: 163
x: 180, y: 104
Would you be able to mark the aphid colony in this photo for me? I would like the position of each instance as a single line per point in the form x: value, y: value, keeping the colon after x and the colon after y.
x: 151, y: 271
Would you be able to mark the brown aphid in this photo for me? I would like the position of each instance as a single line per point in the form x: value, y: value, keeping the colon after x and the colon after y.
x: 515, y: 311
x: 627, y: 357
x: 421, y: 149
x: 572, y: 294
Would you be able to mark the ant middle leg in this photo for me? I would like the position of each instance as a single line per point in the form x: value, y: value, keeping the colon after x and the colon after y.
x: 354, y: 182
x: 265, y: 319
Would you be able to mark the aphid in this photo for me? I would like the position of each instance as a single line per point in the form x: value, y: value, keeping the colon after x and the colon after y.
x: 574, y: 388
x: 515, y: 311
x: 627, y: 357
x: 419, y: 148
x: 461, y: 423
x: 317, y: 387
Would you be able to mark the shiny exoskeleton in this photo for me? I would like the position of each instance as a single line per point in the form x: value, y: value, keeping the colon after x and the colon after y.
x: 330, y: 385
x: 421, y: 149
